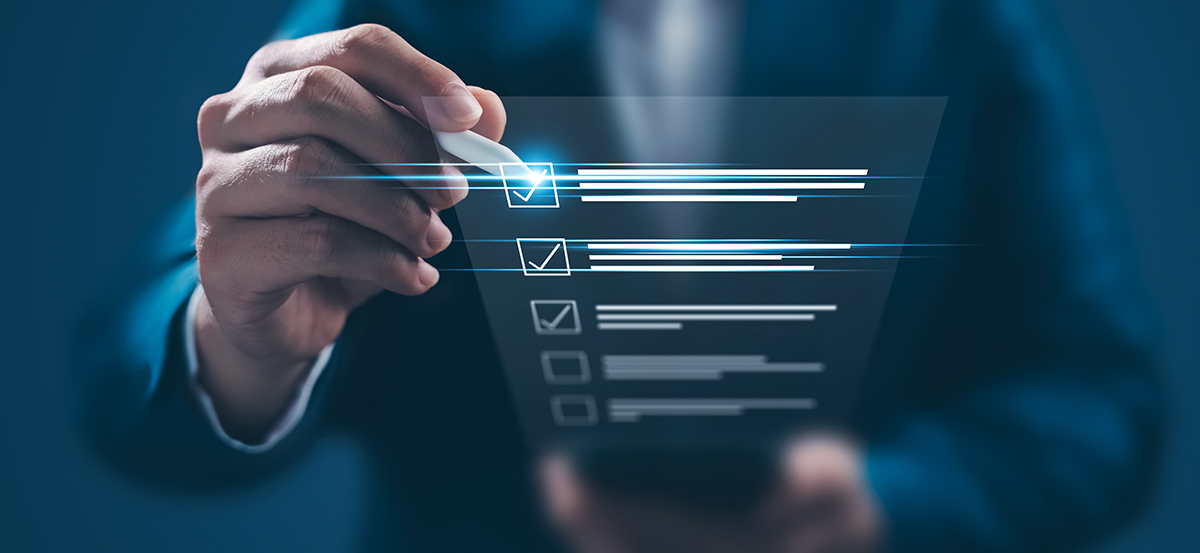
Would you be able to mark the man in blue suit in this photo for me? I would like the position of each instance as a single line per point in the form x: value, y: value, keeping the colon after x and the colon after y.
x: 1010, y: 405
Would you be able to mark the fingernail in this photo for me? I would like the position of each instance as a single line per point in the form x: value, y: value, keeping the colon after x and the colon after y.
x: 438, y: 236
x: 427, y: 274
x: 460, y: 105
x: 456, y: 184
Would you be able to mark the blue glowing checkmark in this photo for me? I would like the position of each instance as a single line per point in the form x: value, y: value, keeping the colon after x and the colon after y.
x: 540, y: 179
x: 528, y: 186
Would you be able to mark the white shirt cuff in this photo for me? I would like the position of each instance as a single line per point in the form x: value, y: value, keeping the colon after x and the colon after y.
x: 286, y: 424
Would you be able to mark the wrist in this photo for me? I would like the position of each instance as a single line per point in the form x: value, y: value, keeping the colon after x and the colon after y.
x: 249, y: 391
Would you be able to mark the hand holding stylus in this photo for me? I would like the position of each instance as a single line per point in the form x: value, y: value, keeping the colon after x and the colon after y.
x: 297, y: 223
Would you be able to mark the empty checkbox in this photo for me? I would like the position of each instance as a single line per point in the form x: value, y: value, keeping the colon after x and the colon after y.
x: 573, y: 410
x: 565, y: 367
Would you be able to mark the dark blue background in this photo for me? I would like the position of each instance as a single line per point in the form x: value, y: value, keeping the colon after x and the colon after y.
x: 98, y: 128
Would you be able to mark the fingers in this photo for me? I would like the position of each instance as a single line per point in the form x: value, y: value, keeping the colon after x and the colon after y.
x: 491, y: 123
x: 382, y: 62
x: 825, y: 504
x: 821, y: 469
x: 310, y: 175
x: 566, y: 498
x: 576, y: 510
x: 324, y: 102
x: 262, y: 258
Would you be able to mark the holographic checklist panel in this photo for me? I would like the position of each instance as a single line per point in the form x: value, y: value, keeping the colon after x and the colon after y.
x: 724, y: 300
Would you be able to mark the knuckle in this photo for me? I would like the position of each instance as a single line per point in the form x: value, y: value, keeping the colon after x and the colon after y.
x: 263, y: 56
x: 438, y: 198
x: 217, y: 174
x: 427, y: 70
x: 205, y: 179
x: 357, y: 41
x: 389, y: 261
x: 413, y: 213
x: 412, y: 223
x: 319, y: 240
x: 317, y: 88
x: 398, y: 270
x: 211, y: 114
x: 306, y: 157
x: 416, y: 148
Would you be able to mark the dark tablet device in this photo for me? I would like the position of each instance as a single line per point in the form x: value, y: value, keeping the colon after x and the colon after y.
x: 716, y: 479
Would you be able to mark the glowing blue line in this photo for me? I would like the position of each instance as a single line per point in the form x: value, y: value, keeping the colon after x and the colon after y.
x: 715, y: 247
x: 735, y: 241
x: 726, y: 172
x: 573, y: 270
x: 699, y: 268
x: 643, y: 178
x: 723, y: 186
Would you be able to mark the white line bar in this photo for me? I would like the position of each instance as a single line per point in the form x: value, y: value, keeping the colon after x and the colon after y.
x: 716, y: 308
x: 686, y: 366
x: 688, y: 198
x: 684, y: 358
x: 686, y: 257
x: 700, y: 364
x: 681, y: 409
x: 705, y: 317
x: 699, y: 268
x: 720, y: 246
x: 756, y: 403
x: 669, y: 369
x: 727, y: 172
x: 640, y: 326
x: 662, y: 375
x: 692, y: 413
x: 723, y: 186
x: 730, y: 366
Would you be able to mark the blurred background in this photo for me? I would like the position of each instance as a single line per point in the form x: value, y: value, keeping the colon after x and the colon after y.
x: 99, y: 101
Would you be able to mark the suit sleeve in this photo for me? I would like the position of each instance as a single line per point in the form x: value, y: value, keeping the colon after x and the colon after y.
x: 1043, y: 429
x: 133, y: 394
x: 132, y: 388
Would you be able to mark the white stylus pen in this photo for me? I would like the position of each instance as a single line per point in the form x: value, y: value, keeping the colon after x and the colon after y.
x: 483, y: 153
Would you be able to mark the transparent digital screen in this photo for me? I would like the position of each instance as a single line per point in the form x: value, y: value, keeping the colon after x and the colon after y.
x: 721, y: 295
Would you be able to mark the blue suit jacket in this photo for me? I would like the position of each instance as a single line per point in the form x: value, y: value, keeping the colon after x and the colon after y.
x: 1010, y: 405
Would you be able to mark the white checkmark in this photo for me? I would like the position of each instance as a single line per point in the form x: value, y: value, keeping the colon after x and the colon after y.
x: 526, y: 197
x: 548, y: 258
x: 551, y: 325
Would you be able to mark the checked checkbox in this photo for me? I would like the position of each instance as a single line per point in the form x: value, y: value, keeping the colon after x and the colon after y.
x: 529, y: 185
x: 544, y: 256
x: 555, y: 316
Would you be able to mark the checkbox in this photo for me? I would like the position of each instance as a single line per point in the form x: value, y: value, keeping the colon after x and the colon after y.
x: 555, y: 316
x: 573, y: 410
x: 565, y: 367
x: 526, y: 189
x: 544, y: 256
